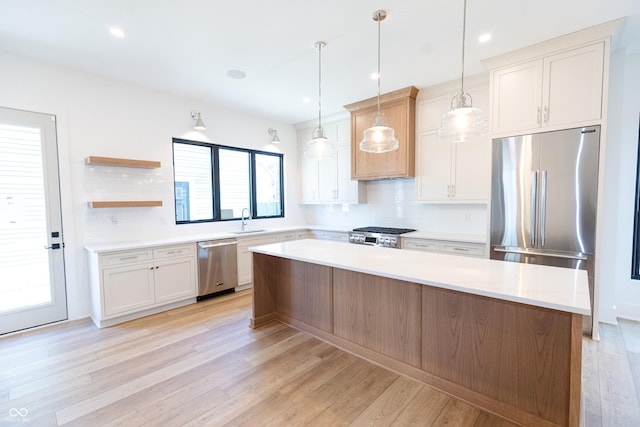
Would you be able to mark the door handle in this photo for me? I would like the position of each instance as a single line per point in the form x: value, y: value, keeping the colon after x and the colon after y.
x: 543, y: 205
x: 577, y: 256
x: 534, y: 206
x: 546, y: 114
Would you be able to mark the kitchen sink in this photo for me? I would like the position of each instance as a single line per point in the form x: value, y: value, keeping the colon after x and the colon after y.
x: 247, y: 231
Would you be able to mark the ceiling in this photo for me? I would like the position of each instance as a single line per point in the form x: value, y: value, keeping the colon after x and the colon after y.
x: 186, y: 47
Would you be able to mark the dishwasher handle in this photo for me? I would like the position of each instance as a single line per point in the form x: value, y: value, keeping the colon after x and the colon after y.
x: 215, y: 244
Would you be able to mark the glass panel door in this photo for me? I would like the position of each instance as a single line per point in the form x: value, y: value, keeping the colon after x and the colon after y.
x: 32, y: 285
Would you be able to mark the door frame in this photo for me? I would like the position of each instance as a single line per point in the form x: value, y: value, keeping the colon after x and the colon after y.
x: 76, y: 307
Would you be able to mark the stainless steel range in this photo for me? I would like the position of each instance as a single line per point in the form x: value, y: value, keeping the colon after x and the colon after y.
x: 378, y: 236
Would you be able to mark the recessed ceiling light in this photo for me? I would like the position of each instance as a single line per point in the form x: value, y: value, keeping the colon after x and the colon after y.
x: 116, y: 32
x: 374, y: 76
x: 306, y: 100
x: 236, y: 74
x: 484, y: 37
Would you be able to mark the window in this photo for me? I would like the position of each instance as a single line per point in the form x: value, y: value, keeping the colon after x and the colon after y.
x: 215, y: 183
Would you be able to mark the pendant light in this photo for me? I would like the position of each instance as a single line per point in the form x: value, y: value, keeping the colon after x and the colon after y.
x: 319, y: 147
x: 379, y: 138
x: 463, y: 121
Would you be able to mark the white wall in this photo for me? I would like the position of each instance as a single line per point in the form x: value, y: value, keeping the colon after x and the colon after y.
x: 620, y: 296
x: 103, y: 117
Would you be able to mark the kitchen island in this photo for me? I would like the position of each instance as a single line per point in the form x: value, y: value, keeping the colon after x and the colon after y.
x: 505, y: 337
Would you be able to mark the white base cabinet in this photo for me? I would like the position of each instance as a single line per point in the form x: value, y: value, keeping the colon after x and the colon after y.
x: 245, y: 257
x: 445, y: 247
x: 336, y: 236
x: 129, y: 284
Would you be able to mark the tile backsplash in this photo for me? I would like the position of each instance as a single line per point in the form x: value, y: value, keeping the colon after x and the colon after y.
x: 392, y: 203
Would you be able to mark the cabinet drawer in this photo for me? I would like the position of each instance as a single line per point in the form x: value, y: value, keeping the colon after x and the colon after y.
x: 294, y: 235
x: 329, y: 235
x: 174, y: 251
x: 421, y: 245
x: 463, y: 249
x: 120, y: 258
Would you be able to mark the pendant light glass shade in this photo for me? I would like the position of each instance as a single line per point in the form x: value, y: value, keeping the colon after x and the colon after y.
x: 463, y: 122
x: 319, y: 147
x: 379, y: 138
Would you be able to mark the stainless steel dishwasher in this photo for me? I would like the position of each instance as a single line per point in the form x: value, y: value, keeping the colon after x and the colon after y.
x: 217, y: 267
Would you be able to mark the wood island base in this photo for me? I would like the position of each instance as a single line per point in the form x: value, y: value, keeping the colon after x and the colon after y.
x: 518, y: 361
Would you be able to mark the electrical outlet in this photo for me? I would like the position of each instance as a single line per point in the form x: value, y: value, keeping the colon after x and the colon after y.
x: 114, y: 220
x: 467, y: 217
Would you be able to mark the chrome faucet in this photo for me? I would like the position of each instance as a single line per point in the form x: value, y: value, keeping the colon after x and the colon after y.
x: 243, y: 223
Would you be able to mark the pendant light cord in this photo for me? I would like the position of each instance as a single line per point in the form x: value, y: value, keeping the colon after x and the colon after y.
x: 464, y: 26
x: 378, y: 117
x: 320, y: 85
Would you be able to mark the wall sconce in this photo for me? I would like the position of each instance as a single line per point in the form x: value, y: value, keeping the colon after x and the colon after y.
x: 195, y: 115
x: 274, y: 134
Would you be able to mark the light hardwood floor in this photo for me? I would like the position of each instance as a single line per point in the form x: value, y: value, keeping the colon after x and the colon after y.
x: 201, y: 365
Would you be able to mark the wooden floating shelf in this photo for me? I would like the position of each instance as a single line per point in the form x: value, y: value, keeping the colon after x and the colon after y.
x: 112, y: 161
x: 127, y: 204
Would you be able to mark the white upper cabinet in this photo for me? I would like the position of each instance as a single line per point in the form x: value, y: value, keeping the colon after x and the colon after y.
x: 573, y: 91
x: 557, y: 91
x: 329, y: 180
x: 446, y: 172
x: 517, y: 97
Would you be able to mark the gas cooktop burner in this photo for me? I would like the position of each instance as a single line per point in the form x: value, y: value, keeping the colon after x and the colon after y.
x: 384, y: 230
x: 377, y: 236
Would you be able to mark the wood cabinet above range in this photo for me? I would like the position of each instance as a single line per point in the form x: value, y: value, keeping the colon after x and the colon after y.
x: 398, y: 108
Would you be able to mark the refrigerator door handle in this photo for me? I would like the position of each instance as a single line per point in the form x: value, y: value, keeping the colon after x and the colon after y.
x: 543, y: 205
x: 534, y: 206
x: 577, y: 256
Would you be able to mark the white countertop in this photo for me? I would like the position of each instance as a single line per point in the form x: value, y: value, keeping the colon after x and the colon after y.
x: 451, y: 237
x: 542, y: 286
x: 175, y: 240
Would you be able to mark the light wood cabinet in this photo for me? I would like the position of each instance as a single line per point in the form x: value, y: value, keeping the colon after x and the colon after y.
x: 129, y: 284
x: 561, y: 90
x: 519, y: 361
x: 399, y: 108
x: 446, y: 172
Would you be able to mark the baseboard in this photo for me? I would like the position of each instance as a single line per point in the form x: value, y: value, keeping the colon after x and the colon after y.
x: 103, y: 323
x: 628, y: 311
x: 608, y: 315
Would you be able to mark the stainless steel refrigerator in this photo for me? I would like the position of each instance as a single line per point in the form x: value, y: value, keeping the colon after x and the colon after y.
x: 543, y: 200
